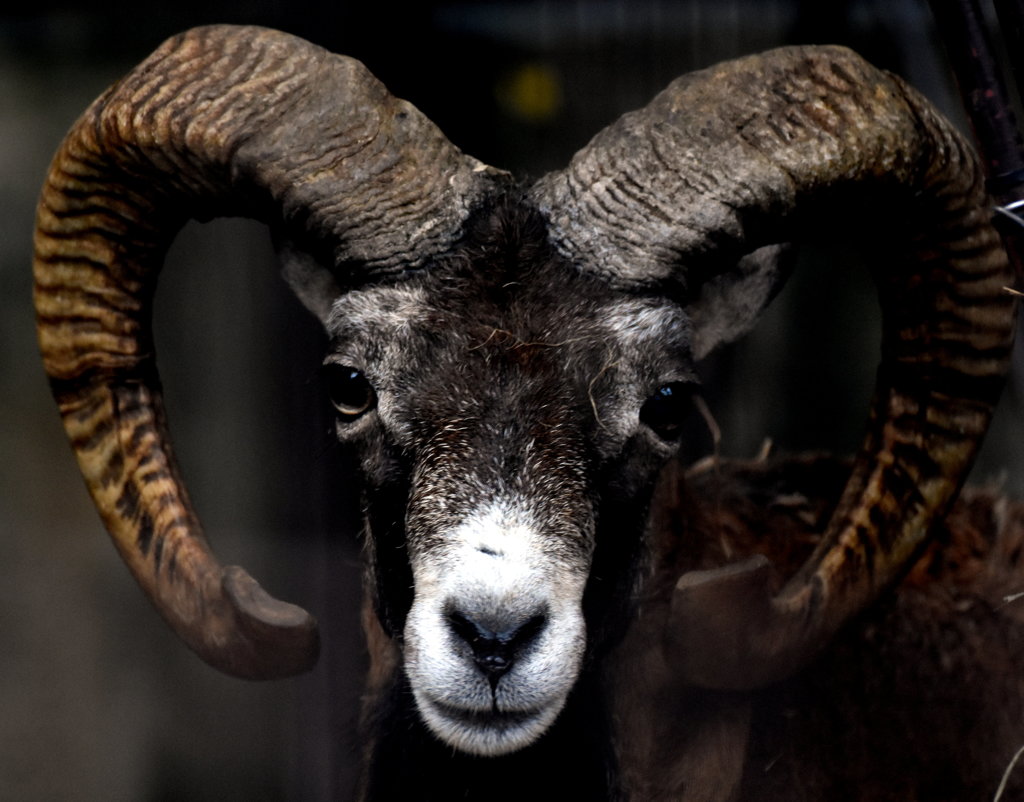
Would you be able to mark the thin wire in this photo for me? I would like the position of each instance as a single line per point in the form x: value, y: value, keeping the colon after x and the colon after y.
x: 1007, y: 211
x: 1006, y: 775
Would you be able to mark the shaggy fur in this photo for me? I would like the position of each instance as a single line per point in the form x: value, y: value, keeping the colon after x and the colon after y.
x: 921, y: 698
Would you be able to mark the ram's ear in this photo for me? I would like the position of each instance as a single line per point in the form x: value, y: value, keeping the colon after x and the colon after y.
x: 313, y: 284
x: 730, y: 304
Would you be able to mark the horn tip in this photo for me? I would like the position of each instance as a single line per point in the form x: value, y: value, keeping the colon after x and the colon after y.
x: 278, y: 639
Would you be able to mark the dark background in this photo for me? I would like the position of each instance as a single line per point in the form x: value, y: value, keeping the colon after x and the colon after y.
x: 98, y: 701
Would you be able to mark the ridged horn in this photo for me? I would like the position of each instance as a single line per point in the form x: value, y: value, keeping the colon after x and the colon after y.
x: 768, y: 149
x: 218, y: 121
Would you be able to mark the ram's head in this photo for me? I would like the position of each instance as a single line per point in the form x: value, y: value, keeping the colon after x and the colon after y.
x: 511, y: 363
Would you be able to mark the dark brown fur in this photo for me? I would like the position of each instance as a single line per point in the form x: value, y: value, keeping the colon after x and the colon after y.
x: 919, y: 698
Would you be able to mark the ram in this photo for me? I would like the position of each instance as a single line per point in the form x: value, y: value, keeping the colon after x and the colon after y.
x: 511, y: 364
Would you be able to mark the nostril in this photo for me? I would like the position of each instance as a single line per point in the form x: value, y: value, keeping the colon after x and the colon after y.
x: 495, y: 651
x: 494, y: 663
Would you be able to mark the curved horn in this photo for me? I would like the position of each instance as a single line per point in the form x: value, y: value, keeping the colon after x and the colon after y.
x: 762, y: 150
x: 218, y: 121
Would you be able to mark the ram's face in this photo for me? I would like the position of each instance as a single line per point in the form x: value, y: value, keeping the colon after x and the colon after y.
x: 491, y: 417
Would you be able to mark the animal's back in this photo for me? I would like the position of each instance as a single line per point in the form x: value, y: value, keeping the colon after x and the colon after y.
x: 920, y: 698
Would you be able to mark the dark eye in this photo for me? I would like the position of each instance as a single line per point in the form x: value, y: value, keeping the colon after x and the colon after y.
x: 665, y: 410
x: 349, y: 390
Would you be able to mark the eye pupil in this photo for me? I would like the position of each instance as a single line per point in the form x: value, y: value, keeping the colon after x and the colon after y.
x: 665, y: 410
x: 349, y: 391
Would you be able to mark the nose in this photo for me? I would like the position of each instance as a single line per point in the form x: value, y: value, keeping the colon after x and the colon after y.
x: 495, y: 648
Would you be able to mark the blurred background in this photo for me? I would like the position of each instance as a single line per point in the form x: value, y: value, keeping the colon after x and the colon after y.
x: 98, y: 701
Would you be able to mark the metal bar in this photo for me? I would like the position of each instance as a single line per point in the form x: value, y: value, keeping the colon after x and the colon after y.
x: 961, y: 26
x: 1010, y: 14
x: 962, y: 29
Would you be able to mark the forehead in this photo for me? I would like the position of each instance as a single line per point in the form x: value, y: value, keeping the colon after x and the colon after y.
x: 534, y: 312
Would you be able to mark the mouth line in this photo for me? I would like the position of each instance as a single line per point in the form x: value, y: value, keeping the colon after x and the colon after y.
x: 487, y: 719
